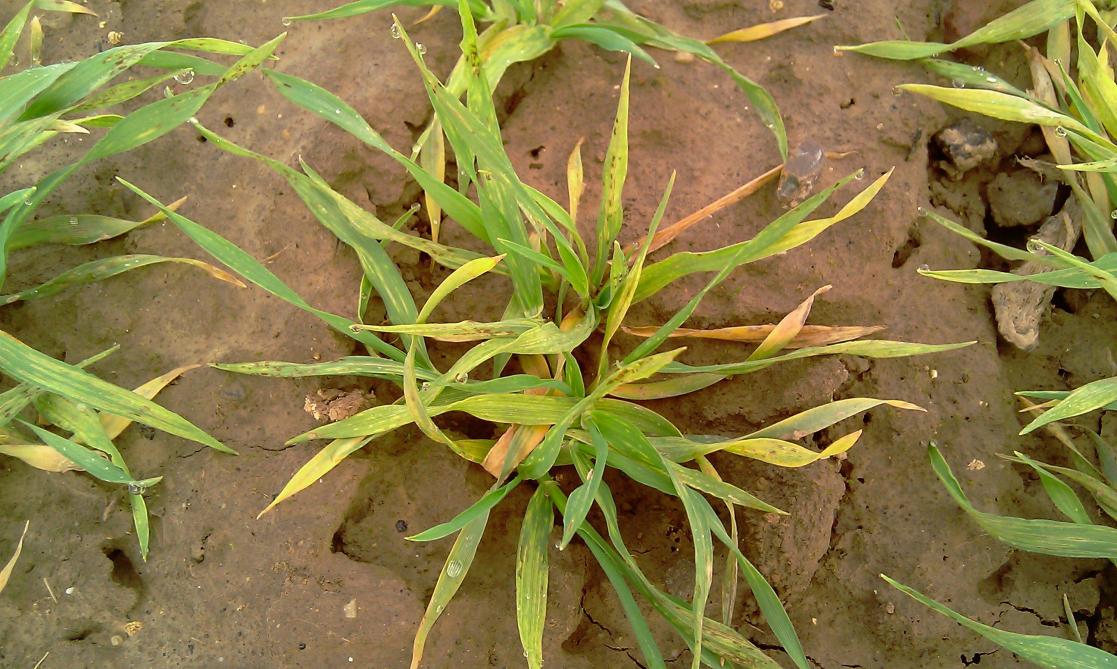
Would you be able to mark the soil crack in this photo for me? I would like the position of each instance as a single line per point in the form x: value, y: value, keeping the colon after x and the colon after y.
x: 193, y: 453
x: 1024, y: 609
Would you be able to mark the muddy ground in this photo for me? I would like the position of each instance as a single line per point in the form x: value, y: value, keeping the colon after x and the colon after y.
x: 223, y: 589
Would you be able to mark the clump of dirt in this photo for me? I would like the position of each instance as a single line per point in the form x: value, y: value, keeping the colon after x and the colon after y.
x: 333, y: 404
x: 222, y: 588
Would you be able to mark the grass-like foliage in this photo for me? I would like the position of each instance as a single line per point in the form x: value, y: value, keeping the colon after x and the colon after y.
x: 1074, y: 101
x: 38, y: 104
x: 1075, y: 104
x: 523, y: 30
x: 547, y: 374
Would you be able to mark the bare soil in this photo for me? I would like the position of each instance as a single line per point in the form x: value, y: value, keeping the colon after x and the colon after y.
x: 223, y: 589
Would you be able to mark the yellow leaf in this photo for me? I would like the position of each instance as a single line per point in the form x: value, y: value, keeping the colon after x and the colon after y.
x: 809, y: 335
x: 524, y: 438
x: 6, y: 572
x: 430, y: 14
x: 672, y: 387
x: 40, y: 456
x: 764, y: 30
x: 666, y: 235
x: 114, y: 425
x: 317, y: 467
x: 787, y: 329
x: 575, y: 184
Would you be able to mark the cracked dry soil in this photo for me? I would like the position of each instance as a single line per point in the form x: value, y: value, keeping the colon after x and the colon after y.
x: 222, y: 589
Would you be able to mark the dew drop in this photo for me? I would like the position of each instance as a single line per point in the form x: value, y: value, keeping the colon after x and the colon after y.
x: 1113, y: 214
x: 958, y: 83
x: 426, y: 386
x: 73, y: 220
x: 991, y: 80
x: 860, y: 174
x: 395, y: 31
x: 1061, y: 131
x: 185, y: 77
x: 454, y: 569
x: 924, y: 268
x: 420, y: 48
x: 286, y: 21
x: 461, y: 378
x: 897, y: 91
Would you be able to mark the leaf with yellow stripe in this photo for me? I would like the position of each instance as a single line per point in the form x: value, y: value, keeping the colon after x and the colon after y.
x: 25, y: 364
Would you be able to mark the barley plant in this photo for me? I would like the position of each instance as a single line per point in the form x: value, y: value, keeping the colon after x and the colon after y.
x: 1074, y: 101
x: 527, y: 373
x: 523, y: 30
x: 38, y: 104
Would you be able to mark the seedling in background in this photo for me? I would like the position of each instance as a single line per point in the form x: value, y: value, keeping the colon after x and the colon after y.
x: 523, y: 375
x: 1076, y: 108
x: 521, y: 31
x: 37, y: 105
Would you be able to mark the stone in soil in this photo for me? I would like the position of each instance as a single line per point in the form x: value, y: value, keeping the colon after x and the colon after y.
x: 1020, y: 198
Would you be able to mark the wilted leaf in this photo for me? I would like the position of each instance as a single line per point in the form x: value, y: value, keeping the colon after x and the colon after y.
x: 764, y: 30
x: 6, y: 572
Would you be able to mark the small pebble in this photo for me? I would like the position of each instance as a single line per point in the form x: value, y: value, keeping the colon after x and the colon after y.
x: 401, y: 525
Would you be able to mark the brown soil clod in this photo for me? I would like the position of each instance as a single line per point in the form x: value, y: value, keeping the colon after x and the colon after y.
x: 1020, y: 307
x: 962, y: 146
x: 334, y: 404
x: 1020, y: 198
